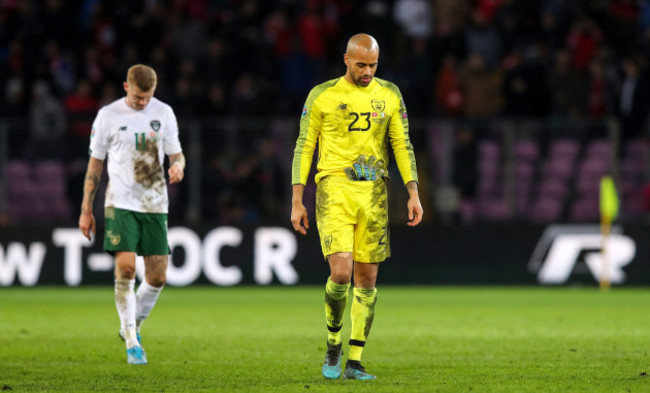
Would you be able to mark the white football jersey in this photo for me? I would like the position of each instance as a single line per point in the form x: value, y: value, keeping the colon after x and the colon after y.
x: 136, y: 143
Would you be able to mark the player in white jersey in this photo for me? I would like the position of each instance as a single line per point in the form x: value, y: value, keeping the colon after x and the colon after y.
x: 134, y: 133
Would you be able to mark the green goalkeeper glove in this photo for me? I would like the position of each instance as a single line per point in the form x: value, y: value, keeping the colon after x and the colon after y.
x: 363, y: 170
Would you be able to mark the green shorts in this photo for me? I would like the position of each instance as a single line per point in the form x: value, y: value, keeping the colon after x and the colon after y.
x: 352, y: 216
x: 142, y: 233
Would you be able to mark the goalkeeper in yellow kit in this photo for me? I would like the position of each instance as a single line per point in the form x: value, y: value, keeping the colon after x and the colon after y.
x: 353, y: 118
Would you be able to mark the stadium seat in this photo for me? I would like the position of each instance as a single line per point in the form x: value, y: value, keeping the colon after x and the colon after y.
x: 551, y: 189
x: 638, y: 148
x: 495, y: 209
x: 634, y: 206
x: 489, y: 150
x: 564, y: 148
x: 524, y: 170
x: 599, y: 148
x: 546, y: 210
x: 61, y: 211
x: 18, y: 170
x: 558, y: 168
x: 526, y: 151
x: 523, y: 186
x: 631, y: 169
x: 489, y: 168
x: 436, y: 144
x: 630, y: 196
x: 585, y: 209
x: 37, y: 192
x: 21, y: 189
x: 467, y: 210
x: 50, y: 171
x: 522, y: 205
x: 593, y: 167
x: 489, y: 189
x: 588, y: 185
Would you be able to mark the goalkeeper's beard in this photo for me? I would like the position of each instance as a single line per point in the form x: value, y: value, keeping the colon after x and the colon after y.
x: 358, y: 79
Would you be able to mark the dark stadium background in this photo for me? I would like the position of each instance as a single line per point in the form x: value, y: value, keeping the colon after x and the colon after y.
x: 517, y: 109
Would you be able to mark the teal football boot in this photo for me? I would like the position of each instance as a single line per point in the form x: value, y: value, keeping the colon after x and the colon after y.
x: 332, y: 365
x: 136, y: 355
x: 354, y: 370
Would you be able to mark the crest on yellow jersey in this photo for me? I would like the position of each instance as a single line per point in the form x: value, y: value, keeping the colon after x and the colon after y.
x: 378, y: 105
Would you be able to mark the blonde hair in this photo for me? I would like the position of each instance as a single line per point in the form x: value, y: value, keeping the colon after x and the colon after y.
x: 143, y: 76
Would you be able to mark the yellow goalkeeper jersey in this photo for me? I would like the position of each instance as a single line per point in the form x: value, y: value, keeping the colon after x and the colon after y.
x: 348, y: 121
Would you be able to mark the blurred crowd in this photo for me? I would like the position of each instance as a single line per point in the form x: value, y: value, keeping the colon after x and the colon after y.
x: 253, y: 60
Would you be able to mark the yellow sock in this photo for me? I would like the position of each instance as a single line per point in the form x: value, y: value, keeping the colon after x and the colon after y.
x: 362, y: 315
x: 336, y: 298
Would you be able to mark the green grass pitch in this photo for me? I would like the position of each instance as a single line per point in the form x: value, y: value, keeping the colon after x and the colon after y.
x: 272, y: 339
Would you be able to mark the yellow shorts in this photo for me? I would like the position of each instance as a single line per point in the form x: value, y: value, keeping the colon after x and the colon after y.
x: 352, y: 216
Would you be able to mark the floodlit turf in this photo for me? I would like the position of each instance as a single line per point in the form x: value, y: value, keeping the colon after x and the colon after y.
x: 272, y: 339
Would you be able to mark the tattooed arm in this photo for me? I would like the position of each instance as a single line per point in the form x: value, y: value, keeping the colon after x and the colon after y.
x: 91, y: 185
